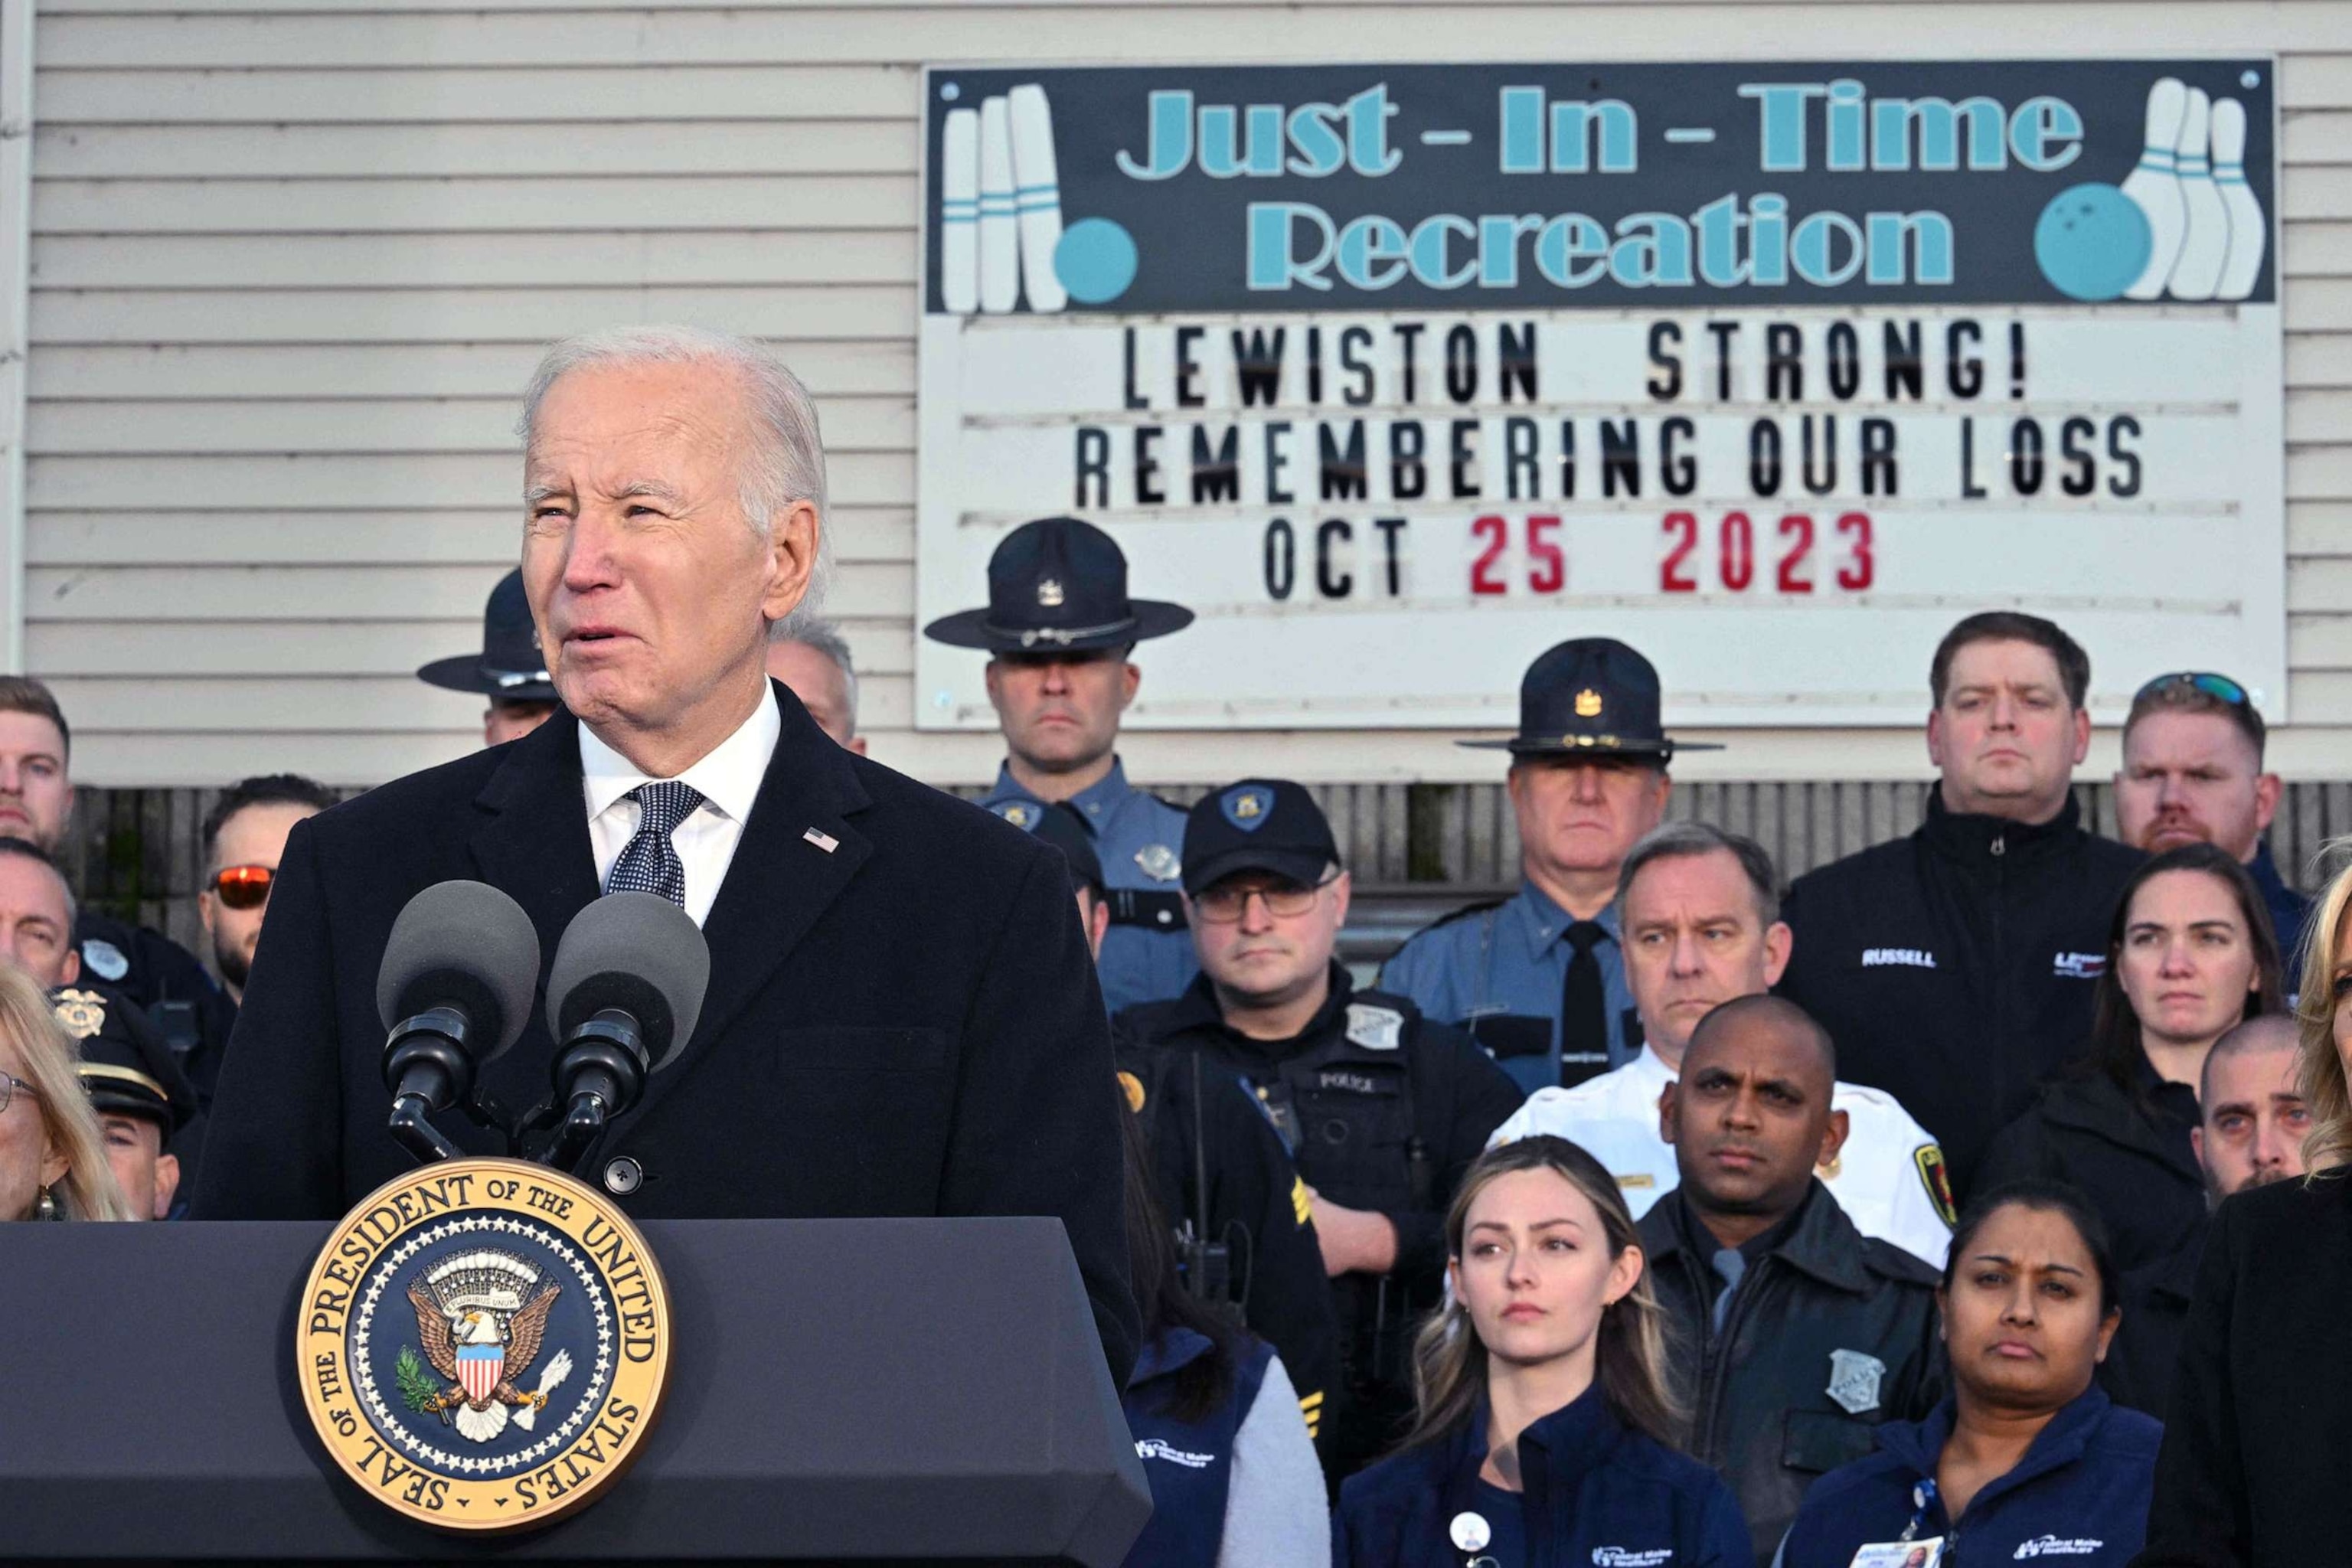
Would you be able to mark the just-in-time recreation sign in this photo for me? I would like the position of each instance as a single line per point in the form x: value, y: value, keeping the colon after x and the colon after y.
x: 1400, y: 374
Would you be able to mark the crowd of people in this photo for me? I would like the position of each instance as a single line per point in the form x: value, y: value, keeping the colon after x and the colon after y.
x: 1659, y: 1213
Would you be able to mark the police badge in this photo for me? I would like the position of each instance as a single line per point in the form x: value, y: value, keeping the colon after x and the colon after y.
x: 1853, y: 1381
x: 482, y: 1344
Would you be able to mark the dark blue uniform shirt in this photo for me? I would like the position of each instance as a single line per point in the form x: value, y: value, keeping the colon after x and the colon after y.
x: 2079, y: 1496
x: 1597, y: 1492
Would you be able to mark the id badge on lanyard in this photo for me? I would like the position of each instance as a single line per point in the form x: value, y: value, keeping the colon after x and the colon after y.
x: 1911, y: 1551
x: 1924, y: 1553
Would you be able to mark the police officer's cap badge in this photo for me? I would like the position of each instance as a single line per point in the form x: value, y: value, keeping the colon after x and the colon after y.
x: 482, y: 1345
x: 1588, y: 704
x: 1246, y: 806
x: 82, y: 1014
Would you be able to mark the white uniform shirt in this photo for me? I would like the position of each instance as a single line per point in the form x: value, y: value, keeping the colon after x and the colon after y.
x: 728, y: 778
x: 1889, y: 1178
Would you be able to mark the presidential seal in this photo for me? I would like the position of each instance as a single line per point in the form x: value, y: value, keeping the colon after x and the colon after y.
x: 482, y: 1344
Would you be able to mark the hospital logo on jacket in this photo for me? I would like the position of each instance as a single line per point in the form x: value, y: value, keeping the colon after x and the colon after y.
x: 482, y: 1344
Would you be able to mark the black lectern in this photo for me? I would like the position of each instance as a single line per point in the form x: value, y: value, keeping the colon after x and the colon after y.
x: 875, y: 1390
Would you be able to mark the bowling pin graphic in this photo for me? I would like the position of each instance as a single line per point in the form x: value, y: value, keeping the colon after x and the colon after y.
x: 2249, y: 234
x: 1036, y: 197
x: 2154, y: 188
x: 959, y: 212
x: 2205, y: 232
x: 1000, y: 238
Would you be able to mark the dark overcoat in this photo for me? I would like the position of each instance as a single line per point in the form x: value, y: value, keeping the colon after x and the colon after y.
x: 902, y: 1016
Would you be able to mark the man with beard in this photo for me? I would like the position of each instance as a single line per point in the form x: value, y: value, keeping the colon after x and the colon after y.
x: 2252, y: 1123
x: 243, y: 835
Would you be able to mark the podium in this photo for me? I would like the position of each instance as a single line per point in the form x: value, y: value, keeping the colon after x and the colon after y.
x: 876, y: 1390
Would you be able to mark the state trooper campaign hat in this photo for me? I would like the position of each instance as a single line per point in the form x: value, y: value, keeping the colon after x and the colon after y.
x: 1589, y: 695
x: 126, y: 1064
x: 1060, y: 826
x: 1058, y: 585
x: 1257, y: 825
x: 510, y: 668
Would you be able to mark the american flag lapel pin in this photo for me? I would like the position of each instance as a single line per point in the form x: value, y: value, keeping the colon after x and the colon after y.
x: 823, y: 840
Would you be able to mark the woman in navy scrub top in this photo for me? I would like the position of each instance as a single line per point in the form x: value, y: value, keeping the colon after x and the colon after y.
x: 1540, y: 1437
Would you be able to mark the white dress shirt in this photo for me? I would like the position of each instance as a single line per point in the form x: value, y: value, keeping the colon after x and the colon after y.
x: 728, y: 778
x: 1888, y: 1178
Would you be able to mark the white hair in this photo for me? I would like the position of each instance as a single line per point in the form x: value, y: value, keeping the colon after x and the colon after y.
x: 787, y: 463
x: 816, y: 632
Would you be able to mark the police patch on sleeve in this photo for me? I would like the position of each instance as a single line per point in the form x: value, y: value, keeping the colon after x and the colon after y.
x: 1375, y: 1029
x: 105, y: 959
x: 1928, y: 1159
x: 482, y: 1344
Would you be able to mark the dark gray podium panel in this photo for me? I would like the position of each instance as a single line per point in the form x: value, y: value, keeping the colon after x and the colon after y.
x: 867, y: 1389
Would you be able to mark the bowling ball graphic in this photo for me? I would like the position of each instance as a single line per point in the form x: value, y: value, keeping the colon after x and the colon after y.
x: 1095, y: 261
x: 2092, y: 241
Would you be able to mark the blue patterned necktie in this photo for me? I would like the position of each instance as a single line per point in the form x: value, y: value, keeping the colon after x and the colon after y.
x: 649, y: 862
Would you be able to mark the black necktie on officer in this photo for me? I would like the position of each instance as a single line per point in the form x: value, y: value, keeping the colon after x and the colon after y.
x: 1583, y: 1011
x: 648, y: 863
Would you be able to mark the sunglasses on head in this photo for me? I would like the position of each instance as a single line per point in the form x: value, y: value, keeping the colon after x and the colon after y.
x: 2211, y: 684
x: 243, y: 887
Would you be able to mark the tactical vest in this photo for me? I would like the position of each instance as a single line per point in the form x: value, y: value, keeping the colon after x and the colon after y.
x: 1345, y: 1109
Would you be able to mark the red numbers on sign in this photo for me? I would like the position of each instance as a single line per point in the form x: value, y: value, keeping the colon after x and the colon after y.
x: 1798, y: 526
x: 1547, y: 558
x: 1497, y: 534
x: 1674, y: 571
x: 1860, y: 569
x: 1735, y: 553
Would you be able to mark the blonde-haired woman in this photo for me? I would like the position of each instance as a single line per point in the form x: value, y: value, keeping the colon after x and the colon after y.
x: 2259, y: 1426
x: 1540, y: 1437
x: 52, y: 1156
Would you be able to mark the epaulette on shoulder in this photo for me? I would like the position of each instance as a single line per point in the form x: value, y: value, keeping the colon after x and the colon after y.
x: 1884, y: 1258
x: 1464, y: 912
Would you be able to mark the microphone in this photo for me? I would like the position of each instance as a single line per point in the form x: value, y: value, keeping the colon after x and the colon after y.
x: 454, y: 991
x: 622, y: 997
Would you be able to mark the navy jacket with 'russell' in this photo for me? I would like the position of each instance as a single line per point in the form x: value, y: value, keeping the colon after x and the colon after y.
x: 1597, y: 1493
x: 2079, y: 1496
x: 1954, y: 968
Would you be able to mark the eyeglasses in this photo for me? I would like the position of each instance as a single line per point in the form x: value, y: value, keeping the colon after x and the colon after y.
x: 1223, y: 904
x: 243, y: 887
x: 2211, y: 684
x: 9, y: 1085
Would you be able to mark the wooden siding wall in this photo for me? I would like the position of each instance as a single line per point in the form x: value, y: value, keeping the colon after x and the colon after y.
x: 138, y: 852
x: 292, y: 261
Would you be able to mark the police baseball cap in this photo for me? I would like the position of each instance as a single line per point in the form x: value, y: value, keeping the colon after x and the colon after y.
x: 126, y: 1065
x: 1590, y: 696
x: 1058, y: 585
x: 1257, y: 825
x: 511, y: 667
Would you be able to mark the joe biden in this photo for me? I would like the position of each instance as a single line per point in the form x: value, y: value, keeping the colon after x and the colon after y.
x: 902, y: 1018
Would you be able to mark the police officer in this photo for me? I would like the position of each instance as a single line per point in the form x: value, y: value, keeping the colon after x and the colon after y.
x: 1539, y: 979
x: 1059, y: 628
x: 141, y: 1098
x: 1701, y: 913
x: 1381, y: 1109
x: 1244, y: 1235
x: 509, y: 670
x: 36, y: 806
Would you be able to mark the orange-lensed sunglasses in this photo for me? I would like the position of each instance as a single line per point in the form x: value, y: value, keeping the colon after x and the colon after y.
x: 243, y: 887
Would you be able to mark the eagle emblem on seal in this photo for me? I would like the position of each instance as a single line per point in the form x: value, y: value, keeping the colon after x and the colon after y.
x: 481, y: 1316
